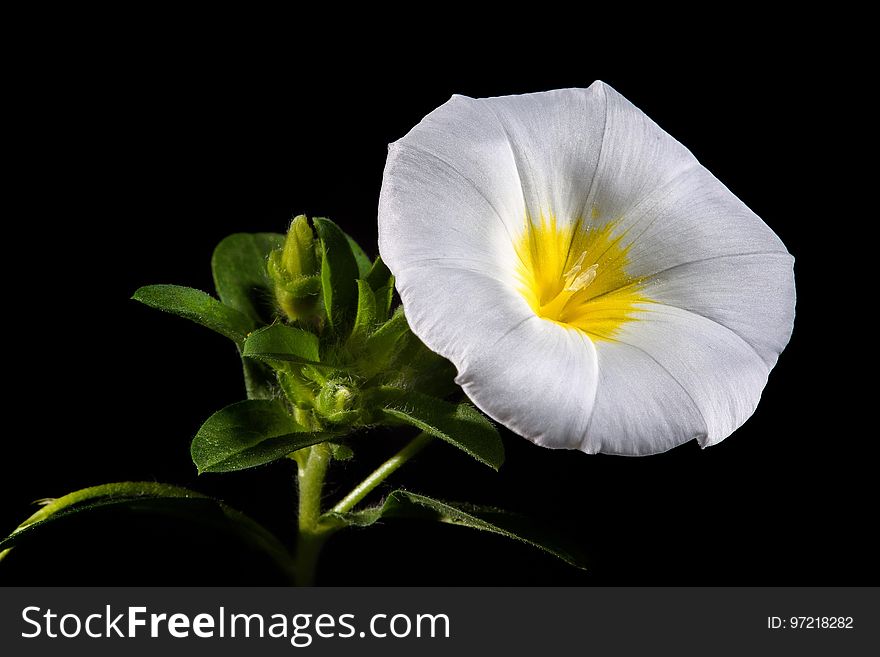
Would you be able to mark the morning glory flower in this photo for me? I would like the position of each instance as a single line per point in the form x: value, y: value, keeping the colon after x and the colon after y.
x: 594, y: 285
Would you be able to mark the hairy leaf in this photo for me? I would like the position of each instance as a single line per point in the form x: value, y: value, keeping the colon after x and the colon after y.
x: 249, y: 434
x: 404, y: 504
x: 133, y: 498
x: 198, y: 307
x: 461, y: 425
x: 240, y: 276
x: 282, y: 343
x: 339, y: 271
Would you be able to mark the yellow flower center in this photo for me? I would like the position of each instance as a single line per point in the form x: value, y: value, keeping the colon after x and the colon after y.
x: 575, y: 274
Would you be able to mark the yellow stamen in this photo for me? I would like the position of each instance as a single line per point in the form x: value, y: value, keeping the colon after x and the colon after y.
x: 575, y: 274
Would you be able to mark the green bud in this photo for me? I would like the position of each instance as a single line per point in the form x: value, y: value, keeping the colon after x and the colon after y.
x: 336, y: 400
x: 335, y: 397
x: 298, y: 253
x: 295, y: 273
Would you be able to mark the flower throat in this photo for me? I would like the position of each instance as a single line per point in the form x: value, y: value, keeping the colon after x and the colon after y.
x: 575, y: 274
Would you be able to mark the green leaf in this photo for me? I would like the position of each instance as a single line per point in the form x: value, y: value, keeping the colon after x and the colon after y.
x: 240, y: 276
x: 415, y: 367
x: 282, y: 343
x: 257, y: 379
x: 381, y: 281
x: 379, y: 275
x: 381, y: 346
x: 242, y: 282
x: 339, y: 271
x: 461, y: 425
x: 365, y: 321
x: 384, y: 299
x: 249, y: 434
x: 124, y: 489
x: 198, y: 307
x: 362, y: 259
x: 146, y: 498
x: 404, y: 504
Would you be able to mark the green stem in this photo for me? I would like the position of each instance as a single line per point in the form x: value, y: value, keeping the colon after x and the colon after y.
x: 313, y: 462
x: 379, y: 475
x: 312, y: 470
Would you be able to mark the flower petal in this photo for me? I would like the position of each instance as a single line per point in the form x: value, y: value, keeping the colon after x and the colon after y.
x: 640, y: 409
x: 696, y: 246
x: 720, y: 374
x: 533, y: 376
x: 637, y: 158
x: 556, y: 139
x: 752, y: 295
x: 450, y: 192
x: 539, y: 380
x: 693, y: 217
x: 459, y: 313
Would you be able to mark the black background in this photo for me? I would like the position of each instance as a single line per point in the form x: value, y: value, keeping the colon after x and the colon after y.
x: 138, y: 153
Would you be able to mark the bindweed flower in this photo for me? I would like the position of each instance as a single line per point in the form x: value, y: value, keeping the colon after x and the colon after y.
x: 594, y: 285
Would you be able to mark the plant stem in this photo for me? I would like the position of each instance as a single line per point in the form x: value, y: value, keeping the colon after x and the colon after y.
x: 311, y: 537
x: 313, y: 462
x: 379, y: 475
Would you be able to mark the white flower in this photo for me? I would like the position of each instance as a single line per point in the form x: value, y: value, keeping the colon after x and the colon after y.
x: 596, y: 287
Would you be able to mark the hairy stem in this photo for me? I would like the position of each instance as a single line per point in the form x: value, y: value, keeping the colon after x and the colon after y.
x: 379, y: 475
x: 312, y: 470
